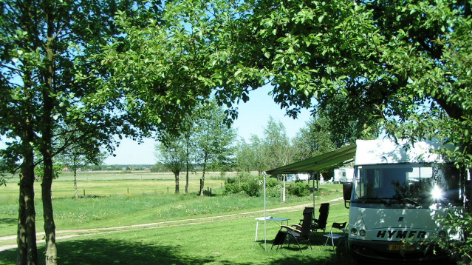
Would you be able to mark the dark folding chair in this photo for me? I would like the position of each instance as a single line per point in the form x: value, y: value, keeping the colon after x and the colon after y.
x: 300, y: 233
x: 320, y: 223
x: 307, y: 210
x: 279, y: 239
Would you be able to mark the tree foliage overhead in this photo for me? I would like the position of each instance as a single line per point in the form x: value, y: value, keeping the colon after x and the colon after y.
x: 404, y: 63
x: 402, y: 66
x: 400, y: 62
x: 50, y: 90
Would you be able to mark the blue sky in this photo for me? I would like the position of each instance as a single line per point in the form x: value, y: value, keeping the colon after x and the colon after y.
x: 253, y: 117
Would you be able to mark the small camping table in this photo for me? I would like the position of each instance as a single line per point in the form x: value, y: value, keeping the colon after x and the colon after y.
x: 269, y: 218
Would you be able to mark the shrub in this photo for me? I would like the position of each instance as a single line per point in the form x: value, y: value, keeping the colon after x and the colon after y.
x: 234, y: 185
x: 272, y: 182
x: 299, y: 189
x: 274, y: 192
x: 245, y: 182
x: 251, y: 187
x: 231, y: 187
x: 461, y: 248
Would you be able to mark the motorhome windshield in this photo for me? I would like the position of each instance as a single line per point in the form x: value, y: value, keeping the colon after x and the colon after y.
x: 407, y: 183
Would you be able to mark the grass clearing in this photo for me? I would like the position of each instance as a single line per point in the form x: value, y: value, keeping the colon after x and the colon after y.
x: 112, y: 226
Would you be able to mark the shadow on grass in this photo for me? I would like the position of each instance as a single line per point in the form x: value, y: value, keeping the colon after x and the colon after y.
x: 336, y: 256
x: 309, y: 260
x: 9, y: 221
x: 102, y: 252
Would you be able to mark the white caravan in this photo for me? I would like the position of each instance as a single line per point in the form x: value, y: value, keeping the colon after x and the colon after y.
x: 398, y: 193
x: 297, y: 177
x: 343, y: 174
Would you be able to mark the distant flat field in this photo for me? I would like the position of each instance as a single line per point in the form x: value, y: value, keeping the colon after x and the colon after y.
x: 103, y: 183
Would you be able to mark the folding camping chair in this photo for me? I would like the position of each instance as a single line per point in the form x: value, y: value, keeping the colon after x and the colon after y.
x: 307, y: 210
x: 320, y: 223
x: 279, y: 239
x: 300, y: 233
x: 333, y: 236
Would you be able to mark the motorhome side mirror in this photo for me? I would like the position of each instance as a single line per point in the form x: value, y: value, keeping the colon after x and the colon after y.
x: 347, y: 190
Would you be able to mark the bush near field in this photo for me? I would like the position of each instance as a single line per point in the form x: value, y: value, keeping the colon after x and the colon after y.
x: 251, y: 185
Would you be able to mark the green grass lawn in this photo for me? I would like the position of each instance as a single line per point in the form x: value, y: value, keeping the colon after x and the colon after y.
x: 149, y: 226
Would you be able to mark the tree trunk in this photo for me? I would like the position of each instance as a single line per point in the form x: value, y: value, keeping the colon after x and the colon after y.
x: 186, y: 182
x: 187, y: 158
x: 49, y: 225
x: 26, y: 234
x: 186, y: 174
x: 75, y: 184
x: 22, y: 255
x: 46, y: 148
x: 27, y: 249
x: 46, y: 188
x: 177, y: 182
x: 202, y: 182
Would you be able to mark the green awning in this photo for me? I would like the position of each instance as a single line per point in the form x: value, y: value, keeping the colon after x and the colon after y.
x: 318, y: 162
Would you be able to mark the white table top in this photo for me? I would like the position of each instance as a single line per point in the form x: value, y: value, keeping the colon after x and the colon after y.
x: 270, y: 218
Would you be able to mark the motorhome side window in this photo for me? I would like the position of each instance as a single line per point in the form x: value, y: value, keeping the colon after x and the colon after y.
x: 410, y: 181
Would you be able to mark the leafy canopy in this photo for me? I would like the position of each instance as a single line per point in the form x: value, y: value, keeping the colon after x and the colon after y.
x: 402, y: 63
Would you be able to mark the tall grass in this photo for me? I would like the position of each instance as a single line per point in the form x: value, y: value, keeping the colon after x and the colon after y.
x: 128, y: 209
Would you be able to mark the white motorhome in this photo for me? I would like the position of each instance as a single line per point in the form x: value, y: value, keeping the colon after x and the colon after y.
x: 343, y: 174
x: 398, y: 193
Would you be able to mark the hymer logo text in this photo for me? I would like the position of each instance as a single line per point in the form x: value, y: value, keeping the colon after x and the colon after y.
x: 401, y: 234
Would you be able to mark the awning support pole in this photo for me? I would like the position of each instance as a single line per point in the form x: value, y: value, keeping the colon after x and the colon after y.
x: 314, y: 199
x: 265, y: 215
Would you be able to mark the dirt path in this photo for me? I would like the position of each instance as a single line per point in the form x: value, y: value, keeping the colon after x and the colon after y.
x: 63, y: 234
